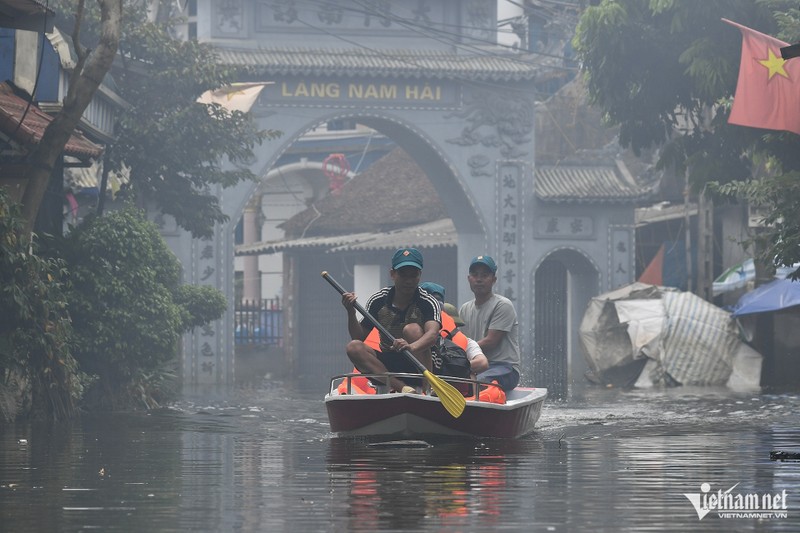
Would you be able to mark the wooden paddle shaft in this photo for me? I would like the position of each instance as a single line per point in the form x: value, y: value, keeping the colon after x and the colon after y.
x: 377, y: 324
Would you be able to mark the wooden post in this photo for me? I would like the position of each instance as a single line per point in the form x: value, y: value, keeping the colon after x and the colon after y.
x: 687, y: 230
x: 705, y: 246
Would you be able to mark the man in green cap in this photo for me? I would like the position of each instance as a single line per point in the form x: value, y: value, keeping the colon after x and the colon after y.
x: 491, y: 320
x: 451, y: 323
x: 411, y: 315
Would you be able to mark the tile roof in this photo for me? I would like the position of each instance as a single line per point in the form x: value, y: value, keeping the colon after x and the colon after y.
x: 495, y: 65
x: 437, y: 234
x: 589, y: 184
x: 392, y: 193
x: 12, y: 109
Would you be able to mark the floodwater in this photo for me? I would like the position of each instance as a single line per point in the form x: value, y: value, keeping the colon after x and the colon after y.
x: 264, y: 460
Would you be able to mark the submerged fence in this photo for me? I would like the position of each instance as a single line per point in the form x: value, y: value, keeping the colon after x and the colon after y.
x: 259, y: 322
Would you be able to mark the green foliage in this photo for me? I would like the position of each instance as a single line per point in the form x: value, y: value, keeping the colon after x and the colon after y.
x: 177, y: 148
x: 126, y: 302
x: 658, y: 66
x: 201, y: 304
x: 665, y: 72
x: 35, y: 329
x: 122, y: 280
x: 778, y: 242
x: 178, y: 151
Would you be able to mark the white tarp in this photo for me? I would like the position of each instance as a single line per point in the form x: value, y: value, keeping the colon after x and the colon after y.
x: 646, y: 335
x: 738, y: 276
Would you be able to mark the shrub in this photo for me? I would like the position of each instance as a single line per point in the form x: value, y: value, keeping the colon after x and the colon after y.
x: 127, y: 305
x: 201, y: 304
x: 37, y: 371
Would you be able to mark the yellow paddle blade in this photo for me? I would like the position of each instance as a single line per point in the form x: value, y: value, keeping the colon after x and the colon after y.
x: 452, y: 400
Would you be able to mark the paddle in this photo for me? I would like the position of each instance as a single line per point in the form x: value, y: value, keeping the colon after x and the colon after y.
x: 452, y: 400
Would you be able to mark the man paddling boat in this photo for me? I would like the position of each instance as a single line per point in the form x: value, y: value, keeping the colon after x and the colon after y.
x: 409, y: 314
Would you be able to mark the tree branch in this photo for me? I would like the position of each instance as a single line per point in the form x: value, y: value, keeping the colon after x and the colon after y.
x: 84, y: 81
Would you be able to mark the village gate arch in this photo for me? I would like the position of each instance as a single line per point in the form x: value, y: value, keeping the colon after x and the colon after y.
x: 427, y: 74
x: 565, y: 279
x: 474, y: 140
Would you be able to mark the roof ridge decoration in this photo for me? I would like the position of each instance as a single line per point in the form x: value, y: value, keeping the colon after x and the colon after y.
x: 419, y: 63
x: 509, y: 120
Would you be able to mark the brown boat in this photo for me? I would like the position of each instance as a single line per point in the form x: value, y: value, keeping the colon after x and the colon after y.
x: 352, y: 412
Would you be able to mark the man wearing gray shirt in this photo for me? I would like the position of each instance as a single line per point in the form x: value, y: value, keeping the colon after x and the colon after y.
x: 492, y: 320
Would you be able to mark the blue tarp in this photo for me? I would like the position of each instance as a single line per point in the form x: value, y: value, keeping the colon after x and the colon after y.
x: 774, y: 296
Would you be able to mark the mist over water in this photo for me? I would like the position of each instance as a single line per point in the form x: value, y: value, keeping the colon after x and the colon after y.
x: 264, y: 460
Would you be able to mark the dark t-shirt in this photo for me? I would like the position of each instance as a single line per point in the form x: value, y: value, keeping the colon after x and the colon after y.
x: 423, y: 308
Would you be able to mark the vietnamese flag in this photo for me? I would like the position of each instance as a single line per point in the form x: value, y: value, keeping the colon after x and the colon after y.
x: 768, y: 90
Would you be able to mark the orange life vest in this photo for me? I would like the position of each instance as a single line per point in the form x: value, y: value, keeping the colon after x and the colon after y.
x: 373, y: 340
x: 492, y: 394
x: 358, y: 385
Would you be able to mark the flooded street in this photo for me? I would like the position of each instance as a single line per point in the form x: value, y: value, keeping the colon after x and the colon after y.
x: 264, y: 460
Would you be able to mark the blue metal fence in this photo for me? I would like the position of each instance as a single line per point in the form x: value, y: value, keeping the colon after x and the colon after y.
x: 259, y: 322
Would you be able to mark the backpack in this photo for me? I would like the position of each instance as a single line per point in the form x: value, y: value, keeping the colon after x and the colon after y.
x: 450, y: 359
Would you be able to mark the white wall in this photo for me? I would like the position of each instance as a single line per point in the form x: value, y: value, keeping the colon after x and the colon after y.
x: 283, y: 197
x: 367, y: 281
x: 25, y: 62
x: 506, y: 10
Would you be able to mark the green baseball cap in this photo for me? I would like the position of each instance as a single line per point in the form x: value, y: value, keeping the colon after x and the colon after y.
x: 484, y: 260
x: 433, y: 288
x: 407, y: 257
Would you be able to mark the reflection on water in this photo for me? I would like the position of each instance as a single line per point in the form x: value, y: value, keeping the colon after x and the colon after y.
x: 266, y: 461
x: 450, y: 483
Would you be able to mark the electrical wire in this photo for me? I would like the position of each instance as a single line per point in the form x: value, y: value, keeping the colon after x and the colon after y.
x: 411, y: 62
x: 364, y: 153
x: 409, y: 23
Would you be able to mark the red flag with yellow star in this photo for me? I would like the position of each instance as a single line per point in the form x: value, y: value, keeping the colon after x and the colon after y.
x: 768, y: 91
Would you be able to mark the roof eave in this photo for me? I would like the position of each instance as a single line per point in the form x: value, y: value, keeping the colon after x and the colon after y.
x: 27, y: 15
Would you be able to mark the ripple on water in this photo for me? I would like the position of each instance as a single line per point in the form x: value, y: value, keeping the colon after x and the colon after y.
x: 608, y: 461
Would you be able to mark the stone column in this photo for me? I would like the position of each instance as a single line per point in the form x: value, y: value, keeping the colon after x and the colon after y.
x: 252, y: 277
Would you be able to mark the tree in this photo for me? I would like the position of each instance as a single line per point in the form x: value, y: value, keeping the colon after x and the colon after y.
x: 176, y: 149
x: 127, y: 305
x: 665, y: 72
x: 92, y: 65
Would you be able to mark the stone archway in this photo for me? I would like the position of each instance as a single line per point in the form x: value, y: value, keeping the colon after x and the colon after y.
x: 474, y: 142
x: 564, y: 282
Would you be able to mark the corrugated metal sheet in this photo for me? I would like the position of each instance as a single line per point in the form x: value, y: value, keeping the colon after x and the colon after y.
x: 662, y: 212
x: 384, y: 63
x: 324, y: 243
x: 437, y: 234
x: 588, y: 184
x: 700, y: 340
x: 89, y: 177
